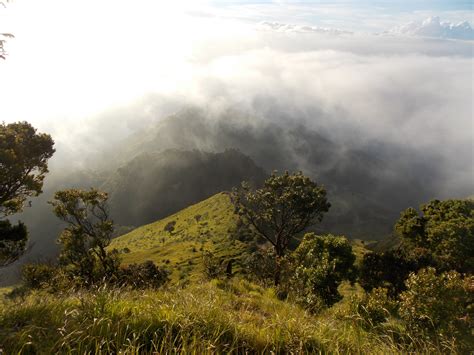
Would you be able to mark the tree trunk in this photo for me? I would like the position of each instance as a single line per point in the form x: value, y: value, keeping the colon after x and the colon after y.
x: 277, y: 272
x: 279, y: 255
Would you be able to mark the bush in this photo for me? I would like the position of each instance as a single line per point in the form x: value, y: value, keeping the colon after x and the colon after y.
x: 213, y: 267
x: 141, y: 276
x: 319, y: 265
x: 170, y: 227
x: 52, y: 278
x: 375, y: 307
x: 260, y: 266
x: 443, y: 229
x: 441, y: 303
x: 38, y: 275
x: 389, y: 270
x: 12, y: 241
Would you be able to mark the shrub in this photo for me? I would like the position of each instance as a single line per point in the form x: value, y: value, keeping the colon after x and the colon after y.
x: 260, y: 266
x: 375, y: 307
x: 213, y: 267
x: 319, y: 265
x: 38, y: 275
x: 169, y: 227
x: 441, y: 303
x: 12, y: 241
x: 144, y: 275
x: 443, y: 229
x: 52, y: 278
x: 389, y: 270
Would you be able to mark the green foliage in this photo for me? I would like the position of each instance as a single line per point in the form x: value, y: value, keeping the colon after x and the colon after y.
x: 143, y: 276
x: 37, y: 276
x: 24, y: 154
x: 260, y: 266
x: 444, y: 230
x: 284, y: 207
x: 89, y: 232
x: 443, y: 303
x: 375, y: 307
x: 213, y: 266
x: 389, y: 269
x: 12, y: 241
x: 320, y: 264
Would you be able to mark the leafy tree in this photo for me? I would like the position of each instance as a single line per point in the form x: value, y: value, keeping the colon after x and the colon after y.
x: 444, y: 230
x: 320, y: 264
x: 389, y: 270
x: 24, y: 155
x: 89, y: 232
x: 284, y: 207
x: 12, y: 241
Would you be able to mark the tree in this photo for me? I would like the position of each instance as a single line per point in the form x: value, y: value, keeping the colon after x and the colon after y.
x: 389, y: 270
x: 24, y: 155
x: 444, y: 230
x: 284, y: 207
x: 319, y: 265
x: 88, y: 234
x: 12, y: 241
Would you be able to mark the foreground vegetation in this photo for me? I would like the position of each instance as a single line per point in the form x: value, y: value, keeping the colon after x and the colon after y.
x: 205, y: 317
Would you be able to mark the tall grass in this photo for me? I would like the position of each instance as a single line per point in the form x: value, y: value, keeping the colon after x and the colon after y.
x: 210, y: 317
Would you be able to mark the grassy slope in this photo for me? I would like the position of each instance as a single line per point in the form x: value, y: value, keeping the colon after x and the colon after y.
x: 207, y: 225
x: 211, y: 317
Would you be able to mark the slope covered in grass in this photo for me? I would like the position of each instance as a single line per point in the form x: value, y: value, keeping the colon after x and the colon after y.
x: 212, y: 317
x: 178, y: 241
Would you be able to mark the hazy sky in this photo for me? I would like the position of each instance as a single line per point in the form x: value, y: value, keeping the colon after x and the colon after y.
x: 74, y: 62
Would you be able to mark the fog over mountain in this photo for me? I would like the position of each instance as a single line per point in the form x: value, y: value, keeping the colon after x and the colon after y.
x: 383, y: 121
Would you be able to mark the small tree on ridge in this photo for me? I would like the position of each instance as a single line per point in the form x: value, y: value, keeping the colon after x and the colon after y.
x: 285, y: 206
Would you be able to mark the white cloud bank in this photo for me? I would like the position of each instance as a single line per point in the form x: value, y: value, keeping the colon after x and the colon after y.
x: 409, y: 91
x: 434, y: 27
x: 285, y: 27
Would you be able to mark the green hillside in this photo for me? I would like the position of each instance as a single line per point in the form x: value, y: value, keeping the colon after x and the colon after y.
x: 178, y: 241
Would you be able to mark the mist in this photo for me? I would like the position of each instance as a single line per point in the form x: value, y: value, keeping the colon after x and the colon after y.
x: 353, y: 104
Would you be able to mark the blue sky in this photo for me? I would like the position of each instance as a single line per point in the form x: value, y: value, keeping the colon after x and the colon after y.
x: 399, y: 5
x: 360, y: 15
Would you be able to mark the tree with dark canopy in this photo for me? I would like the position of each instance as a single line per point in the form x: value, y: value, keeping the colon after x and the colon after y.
x: 284, y: 207
x: 24, y: 155
x: 389, y: 269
